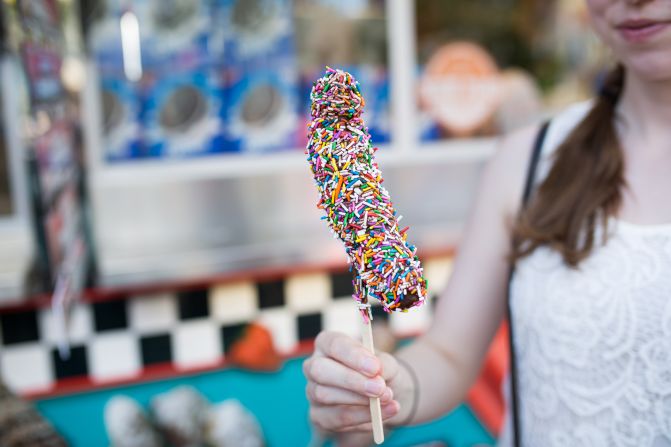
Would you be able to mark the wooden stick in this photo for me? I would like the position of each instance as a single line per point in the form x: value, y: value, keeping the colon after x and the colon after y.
x: 375, y: 410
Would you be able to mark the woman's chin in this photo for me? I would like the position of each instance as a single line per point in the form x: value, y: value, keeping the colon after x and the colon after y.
x: 651, y: 67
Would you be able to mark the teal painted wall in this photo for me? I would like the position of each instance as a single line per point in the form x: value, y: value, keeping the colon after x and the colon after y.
x: 277, y: 399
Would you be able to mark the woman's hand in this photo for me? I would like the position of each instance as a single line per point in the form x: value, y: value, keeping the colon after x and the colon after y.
x: 342, y: 376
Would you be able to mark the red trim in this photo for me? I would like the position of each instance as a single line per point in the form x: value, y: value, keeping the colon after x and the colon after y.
x: 103, y: 293
x: 151, y: 373
x: 30, y: 303
x: 485, y: 397
x: 486, y: 403
x: 168, y: 370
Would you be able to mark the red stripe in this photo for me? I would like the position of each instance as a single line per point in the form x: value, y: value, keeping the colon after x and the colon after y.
x: 485, y: 397
x: 108, y: 293
x: 150, y: 373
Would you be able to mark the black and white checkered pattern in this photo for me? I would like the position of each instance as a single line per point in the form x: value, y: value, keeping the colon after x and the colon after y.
x: 114, y: 340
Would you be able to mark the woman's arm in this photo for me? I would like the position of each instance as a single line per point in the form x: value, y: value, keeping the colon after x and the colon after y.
x: 342, y: 374
x: 447, y: 359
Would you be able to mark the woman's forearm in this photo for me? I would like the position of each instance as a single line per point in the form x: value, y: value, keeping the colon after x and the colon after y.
x: 440, y: 382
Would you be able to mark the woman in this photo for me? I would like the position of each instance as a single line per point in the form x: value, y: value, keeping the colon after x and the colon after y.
x: 591, y: 293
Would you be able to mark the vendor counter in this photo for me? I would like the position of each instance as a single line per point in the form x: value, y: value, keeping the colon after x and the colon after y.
x: 276, y: 399
x: 142, y: 340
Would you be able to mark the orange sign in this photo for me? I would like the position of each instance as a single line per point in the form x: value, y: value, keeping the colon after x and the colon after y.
x: 460, y: 87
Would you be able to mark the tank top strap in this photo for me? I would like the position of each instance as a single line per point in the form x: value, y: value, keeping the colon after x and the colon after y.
x: 561, y: 125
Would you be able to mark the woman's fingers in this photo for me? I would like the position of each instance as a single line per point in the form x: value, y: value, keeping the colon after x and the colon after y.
x: 347, y: 417
x: 389, y: 366
x: 347, y: 351
x: 342, y: 377
x: 388, y: 411
x: 365, y: 427
x: 354, y: 438
x: 326, y: 371
x: 329, y: 395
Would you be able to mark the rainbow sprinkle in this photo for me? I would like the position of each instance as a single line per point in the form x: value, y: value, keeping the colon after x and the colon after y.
x: 358, y: 209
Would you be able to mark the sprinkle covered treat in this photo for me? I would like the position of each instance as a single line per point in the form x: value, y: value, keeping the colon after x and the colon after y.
x: 358, y: 208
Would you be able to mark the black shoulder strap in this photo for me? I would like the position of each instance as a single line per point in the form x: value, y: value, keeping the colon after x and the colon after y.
x: 533, y: 163
x: 528, y: 186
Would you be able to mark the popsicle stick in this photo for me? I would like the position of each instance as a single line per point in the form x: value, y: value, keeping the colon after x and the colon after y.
x: 375, y: 410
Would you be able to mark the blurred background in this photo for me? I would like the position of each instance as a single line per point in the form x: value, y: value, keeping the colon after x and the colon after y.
x: 163, y: 267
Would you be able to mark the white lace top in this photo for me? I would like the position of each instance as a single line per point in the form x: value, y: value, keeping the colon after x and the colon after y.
x: 593, y: 345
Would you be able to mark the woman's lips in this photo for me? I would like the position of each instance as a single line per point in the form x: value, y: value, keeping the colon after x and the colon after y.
x: 638, y: 31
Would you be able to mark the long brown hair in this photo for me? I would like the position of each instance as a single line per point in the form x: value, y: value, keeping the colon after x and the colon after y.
x: 583, y: 187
